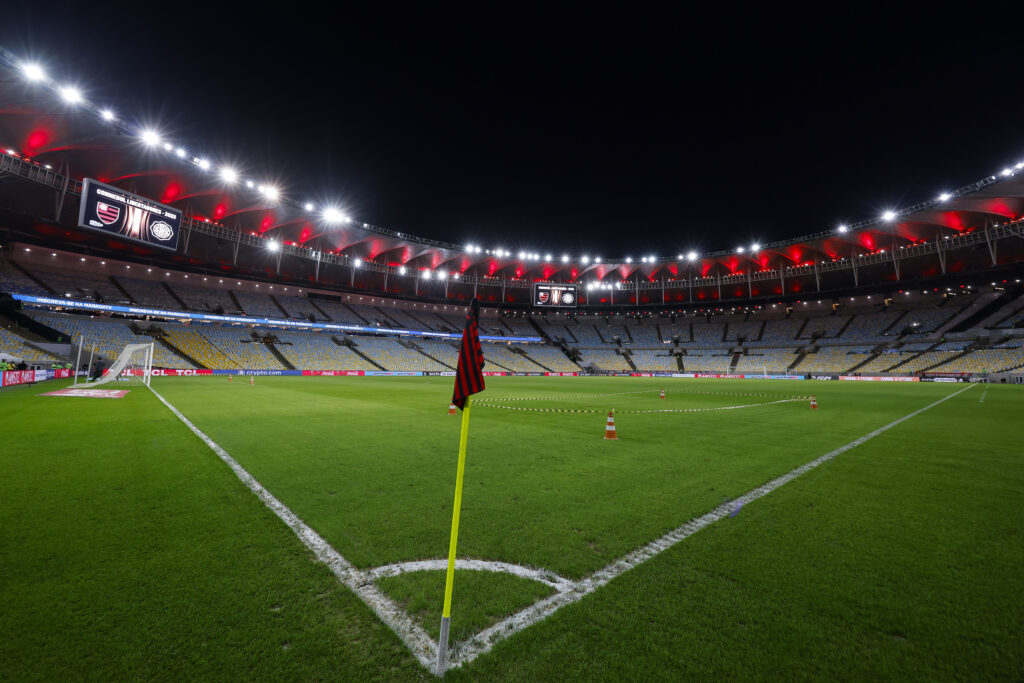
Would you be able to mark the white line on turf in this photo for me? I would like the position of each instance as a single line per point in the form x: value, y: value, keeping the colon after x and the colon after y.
x: 485, y: 640
x: 423, y: 647
x: 361, y: 582
x: 983, y: 394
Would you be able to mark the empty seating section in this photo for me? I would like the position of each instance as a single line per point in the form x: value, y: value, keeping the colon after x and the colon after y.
x: 499, y: 357
x: 198, y: 347
x: 520, y: 327
x: 559, y: 333
x: 298, y: 307
x: 393, y: 356
x: 706, y: 360
x: 315, y: 351
x: 883, y: 362
x: 708, y: 334
x: 827, y: 327
x: 258, y: 305
x: 148, y: 293
x: 916, y: 346
x: 205, y: 298
x: 866, y: 326
x: 108, y: 336
x: 80, y: 285
x: 781, y: 331
x: 676, y: 330
x: 772, y: 361
x: 13, y: 281
x: 610, y: 332
x: 829, y: 359
x: 925, y: 361
x: 926, y: 319
x: 604, y: 359
x: 239, y: 345
x: 1015, y: 320
x: 371, y: 315
x: 654, y: 361
x: 340, y: 313
x: 644, y: 335
x: 15, y: 345
x: 958, y: 345
x: 552, y: 359
x: 749, y: 330
x: 985, y: 360
x: 587, y: 335
x: 448, y: 354
x: 396, y: 316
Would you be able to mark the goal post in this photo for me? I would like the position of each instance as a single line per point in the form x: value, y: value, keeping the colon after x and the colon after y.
x: 135, y: 364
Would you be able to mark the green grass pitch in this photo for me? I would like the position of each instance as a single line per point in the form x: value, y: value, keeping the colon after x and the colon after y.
x: 128, y: 549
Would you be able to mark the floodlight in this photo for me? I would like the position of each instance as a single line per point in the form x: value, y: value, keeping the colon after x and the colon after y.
x: 107, y: 115
x: 150, y: 137
x: 843, y: 228
x: 202, y: 163
x: 597, y: 259
x: 629, y: 259
x: 565, y: 258
x: 755, y: 247
x: 358, y: 262
x: 308, y: 206
x: 270, y: 192
x: 33, y: 72
x: 522, y: 255
x: 888, y: 215
x: 180, y: 152
x: 71, y: 94
x: 692, y: 256
x: 273, y: 246
x: 401, y: 270
x: 944, y: 196
x: 739, y: 250
x: 332, y: 215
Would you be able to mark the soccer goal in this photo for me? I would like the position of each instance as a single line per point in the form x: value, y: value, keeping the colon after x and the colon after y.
x: 135, y: 364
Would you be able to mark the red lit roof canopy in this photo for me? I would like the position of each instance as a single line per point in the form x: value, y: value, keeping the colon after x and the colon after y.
x: 75, y: 140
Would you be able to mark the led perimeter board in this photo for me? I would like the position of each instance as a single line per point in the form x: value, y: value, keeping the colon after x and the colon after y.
x: 122, y: 214
x: 554, y: 296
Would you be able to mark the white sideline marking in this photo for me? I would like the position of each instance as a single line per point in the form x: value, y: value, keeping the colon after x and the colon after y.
x: 485, y: 640
x: 982, y: 399
x: 423, y: 647
x: 559, y: 583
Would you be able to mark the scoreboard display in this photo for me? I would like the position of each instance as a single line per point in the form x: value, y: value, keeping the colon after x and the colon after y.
x: 121, y: 214
x: 554, y: 296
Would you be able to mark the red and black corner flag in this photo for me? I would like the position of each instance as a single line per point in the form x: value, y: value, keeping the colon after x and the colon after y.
x: 469, y: 378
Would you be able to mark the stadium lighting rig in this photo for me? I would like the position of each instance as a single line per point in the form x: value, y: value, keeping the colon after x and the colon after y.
x: 35, y: 73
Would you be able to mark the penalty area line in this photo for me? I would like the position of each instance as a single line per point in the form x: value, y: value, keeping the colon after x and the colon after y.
x: 482, y: 642
x: 422, y: 646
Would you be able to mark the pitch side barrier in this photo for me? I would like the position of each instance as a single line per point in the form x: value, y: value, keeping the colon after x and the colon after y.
x: 12, y: 377
x: 245, y: 320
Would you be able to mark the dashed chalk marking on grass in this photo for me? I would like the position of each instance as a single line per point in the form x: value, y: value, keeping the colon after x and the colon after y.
x: 487, y: 404
x: 422, y: 646
x: 482, y: 642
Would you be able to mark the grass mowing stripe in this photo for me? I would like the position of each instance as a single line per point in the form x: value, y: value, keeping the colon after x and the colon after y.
x: 486, y: 639
x: 415, y: 638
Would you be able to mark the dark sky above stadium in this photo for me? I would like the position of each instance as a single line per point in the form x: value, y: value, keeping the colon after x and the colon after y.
x: 608, y: 132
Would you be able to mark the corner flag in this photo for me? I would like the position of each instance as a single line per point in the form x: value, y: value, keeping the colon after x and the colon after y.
x: 469, y: 377
x: 469, y: 380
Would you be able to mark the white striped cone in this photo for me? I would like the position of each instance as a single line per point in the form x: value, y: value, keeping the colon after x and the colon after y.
x: 229, y: 379
x: 252, y: 379
x: 609, y: 428
x: 663, y: 393
x: 451, y: 409
x: 814, y: 403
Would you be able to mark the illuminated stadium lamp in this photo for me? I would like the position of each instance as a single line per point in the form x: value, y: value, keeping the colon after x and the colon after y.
x: 270, y: 192
x: 308, y: 206
x: 692, y: 256
x: 565, y: 258
x: 150, y: 137
x: 597, y: 259
x: 249, y: 184
x: 739, y: 250
x: 585, y: 259
x: 332, y: 215
x: 629, y: 259
x: 107, y: 115
x: 441, y: 274
x: 842, y: 228
x: 401, y: 270
x: 180, y: 152
x: 12, y: 152
x: 755, y: 247
x: 358, y: 262
x: 71, y: 94
x: 455, y: 276
x: 547, y: 257
x: 202, y: 163
x: 888, y: 215
x: 1006, y: 172
x: 272, y: 245
x: 522, y: 255
x: 168, y: 147
x: 33, y: 72
x: 944, y: 196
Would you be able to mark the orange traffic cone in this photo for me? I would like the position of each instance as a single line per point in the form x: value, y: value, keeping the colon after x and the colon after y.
x: 609, y: 428
x: 252, y: 379
x: 451, y: 409
x: 814, y: 403
x: 229, y: 378
x: 663, y: 393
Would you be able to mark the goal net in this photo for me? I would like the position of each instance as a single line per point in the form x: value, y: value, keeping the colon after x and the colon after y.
x: 134, y: 365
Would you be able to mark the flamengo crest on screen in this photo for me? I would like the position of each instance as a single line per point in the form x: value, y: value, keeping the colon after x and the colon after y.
x: 469, y: 377
x: 111, y: 210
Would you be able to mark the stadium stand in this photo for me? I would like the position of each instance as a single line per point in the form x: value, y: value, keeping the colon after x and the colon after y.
x: 13, y: 280
x: 551, y: 358
x: 299, y: 307
x: 205, y: 298
x: 109, y: 337
x: 654, y: 361
x: 771, y: 361
x: 148, y: 293
x: 603, y: 360
x: 706, y: 360
x: 749, y: 330
x: 258, y: 305
x: 317, y: 351
x: 13, y: 344
x: 708, y: 333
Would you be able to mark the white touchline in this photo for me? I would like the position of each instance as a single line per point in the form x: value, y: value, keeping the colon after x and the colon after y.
x: 422, y: 646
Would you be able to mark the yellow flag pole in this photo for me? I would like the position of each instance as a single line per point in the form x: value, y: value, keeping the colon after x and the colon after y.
x: 442, y: 645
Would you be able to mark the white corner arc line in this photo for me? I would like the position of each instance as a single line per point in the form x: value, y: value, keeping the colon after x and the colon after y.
x: 559, y: 583
x: 422, y: 646
x: 486, y: 639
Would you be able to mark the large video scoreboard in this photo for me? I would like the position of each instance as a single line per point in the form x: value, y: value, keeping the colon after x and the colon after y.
x: 554, y: 296
x: 112, y: 210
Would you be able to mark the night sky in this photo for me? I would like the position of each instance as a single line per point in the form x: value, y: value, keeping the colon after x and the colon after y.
x: 622, y: 133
